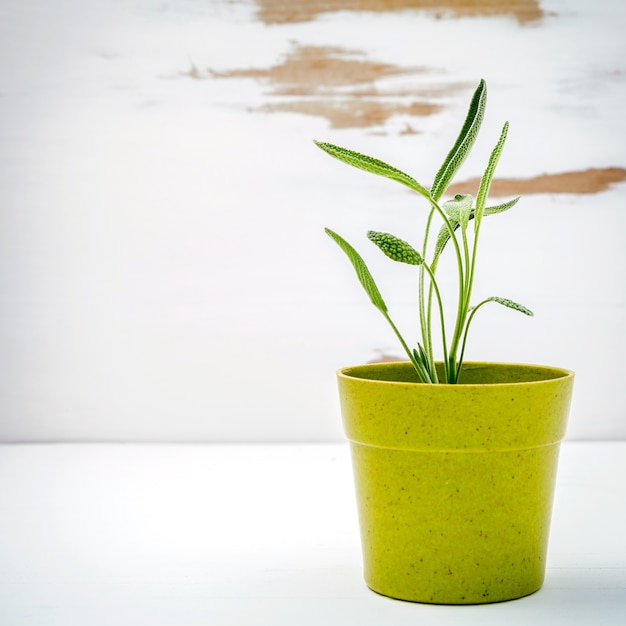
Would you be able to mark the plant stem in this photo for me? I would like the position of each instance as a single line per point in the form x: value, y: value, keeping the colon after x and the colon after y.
x: 465, y: 334
x: 433, y: 283
x: 425, y: 318
x: 464, y: 299
x: 449, y: 359
x: 403, y: 343
x: 468, y: 293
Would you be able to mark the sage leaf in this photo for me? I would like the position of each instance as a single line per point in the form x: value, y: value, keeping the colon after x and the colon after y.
x: 459, y: 209
x: 451, y: 207
x: 442, y: 239
x: 444, y: 234
x: 509, y: 304
x: 395, y: 248
x: 485, y: 181
x: 463, y: 143
x: 365, y: 277
x: 372, y: 165
x: 499, y: 208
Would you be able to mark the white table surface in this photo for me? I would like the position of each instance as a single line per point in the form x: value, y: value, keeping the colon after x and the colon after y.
x: 260, y: 535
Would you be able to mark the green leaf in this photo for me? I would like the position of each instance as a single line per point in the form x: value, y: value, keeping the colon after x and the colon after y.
x: 444, y: 234
x: 420, y: 361
x: 370, y: 164
x: 509, y: 304
x: 459, y: 209
x: 451, y: 208
x: 485, y: 182
x: 463, y: 143
x: 442, y: 239
x: 365, y: 277
x: 395, y: 248
x: 499, y: 208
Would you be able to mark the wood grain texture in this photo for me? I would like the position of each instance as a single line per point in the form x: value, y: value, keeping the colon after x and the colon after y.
x: 166, y: 276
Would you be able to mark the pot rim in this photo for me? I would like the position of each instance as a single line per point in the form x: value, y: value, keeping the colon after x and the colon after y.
x: 558, y: 373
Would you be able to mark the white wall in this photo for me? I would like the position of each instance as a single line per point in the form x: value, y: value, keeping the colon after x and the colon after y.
x: 164, y: 272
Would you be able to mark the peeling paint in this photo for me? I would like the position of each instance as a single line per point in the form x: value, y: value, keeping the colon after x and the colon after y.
x: 310, y: 69
x: 593, y: 180
x: 340, y: 86
x: 355, y: 112
x: 281, y: 12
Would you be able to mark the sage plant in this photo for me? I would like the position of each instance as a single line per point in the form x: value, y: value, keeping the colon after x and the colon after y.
x: 455, y: 216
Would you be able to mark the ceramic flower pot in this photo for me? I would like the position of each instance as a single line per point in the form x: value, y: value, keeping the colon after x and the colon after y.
x: 455, y: 483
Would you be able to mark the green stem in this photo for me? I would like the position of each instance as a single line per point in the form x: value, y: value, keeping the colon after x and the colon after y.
x: 425, y: 318
x: 460, y: 316
x: 403, y: 343
x: 468, y: 295
x: 483, y: 192
x: 465, y: 335
x: 459, y: 260
x: 433, y: 283
x: 464, y: 299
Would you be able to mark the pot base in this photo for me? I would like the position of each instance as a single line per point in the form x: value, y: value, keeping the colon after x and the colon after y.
x: 454, y: 527
x: 460, y: 603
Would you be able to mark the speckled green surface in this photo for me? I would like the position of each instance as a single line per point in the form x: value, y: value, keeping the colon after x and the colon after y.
x: 455, y: 482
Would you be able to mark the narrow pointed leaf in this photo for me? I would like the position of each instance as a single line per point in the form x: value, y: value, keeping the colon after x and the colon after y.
x: 510, y: 305
x: 485, y: 182
x: 420, y: 361
x: 365, y: 277
x: 395, y: 248
x: 463, y: 143
x: 442, y: 239
x: 499, y: 208
x: 370, y: 164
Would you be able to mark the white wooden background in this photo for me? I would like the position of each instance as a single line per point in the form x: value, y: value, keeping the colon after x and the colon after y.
x: 164, y: 275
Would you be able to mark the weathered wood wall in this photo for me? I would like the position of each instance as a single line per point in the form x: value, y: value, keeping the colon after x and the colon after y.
x: 165, y: 275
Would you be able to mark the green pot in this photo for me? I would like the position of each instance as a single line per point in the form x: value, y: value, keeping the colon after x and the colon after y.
x: 455, y: 483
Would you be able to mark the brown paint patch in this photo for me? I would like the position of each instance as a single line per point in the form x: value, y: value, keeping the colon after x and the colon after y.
x: 340, y: 85
x: 355, y: 113
x: 311, y: 69
x: 587, y: 181
x: 281, y: 12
